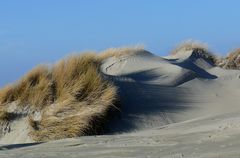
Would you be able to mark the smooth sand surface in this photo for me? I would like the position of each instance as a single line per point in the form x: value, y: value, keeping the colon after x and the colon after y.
x: 158, y: 91
x: 177, y: 106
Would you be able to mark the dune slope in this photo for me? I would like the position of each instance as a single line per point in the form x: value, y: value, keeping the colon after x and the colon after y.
x: 157, y: 91
x: 176, y: 106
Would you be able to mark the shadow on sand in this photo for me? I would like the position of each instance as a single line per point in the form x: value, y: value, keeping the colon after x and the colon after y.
x: 140, y: 100
x: 16, y: 146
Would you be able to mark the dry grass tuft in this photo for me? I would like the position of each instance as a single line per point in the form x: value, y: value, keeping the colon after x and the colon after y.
x: 32, y: 89
x: 232, y: 61
x: 7, y: 94
x: 116, y: 52
x: 198, y: 48
x: 70, y: 99
x: 190, y: 45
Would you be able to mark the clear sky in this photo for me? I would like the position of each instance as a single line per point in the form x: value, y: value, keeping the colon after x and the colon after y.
x: 34, y: 32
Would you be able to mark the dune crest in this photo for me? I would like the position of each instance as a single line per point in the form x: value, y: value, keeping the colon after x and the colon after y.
x: 156, y: 91
x: 182, y: 104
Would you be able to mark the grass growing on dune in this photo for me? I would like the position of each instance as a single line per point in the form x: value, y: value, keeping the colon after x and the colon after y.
x: 190, y: 45
x: 69, y: 99
x: 117, y: 52
x: 232, y: 61
x: 198, y: 48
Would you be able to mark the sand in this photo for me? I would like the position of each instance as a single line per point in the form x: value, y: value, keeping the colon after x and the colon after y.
x: 176, y: 106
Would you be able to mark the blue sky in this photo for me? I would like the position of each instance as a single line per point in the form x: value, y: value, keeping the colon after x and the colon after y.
x: 34, y: 32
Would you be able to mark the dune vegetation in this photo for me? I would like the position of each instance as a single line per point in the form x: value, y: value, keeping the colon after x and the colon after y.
x: 232, y: 61
x: 190, y: 45
x: 198, y: 48
x: 68, y: 99
x: 117, y: 52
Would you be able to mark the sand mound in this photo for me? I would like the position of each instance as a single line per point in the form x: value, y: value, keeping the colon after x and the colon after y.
x: 182, y: 105
x: 155, y: 91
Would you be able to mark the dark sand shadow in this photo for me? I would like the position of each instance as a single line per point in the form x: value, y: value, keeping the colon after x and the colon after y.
x: 137, y: 99
x: 201, y: 73
x: 17, y: 146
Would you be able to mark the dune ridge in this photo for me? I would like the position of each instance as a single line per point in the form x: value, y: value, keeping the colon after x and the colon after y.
x: 182, y: 104
x: 156, y: 91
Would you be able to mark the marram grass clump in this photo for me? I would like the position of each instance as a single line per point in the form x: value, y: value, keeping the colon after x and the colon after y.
x: 122, y: 51
x: 198, y: 48
x: 232, y: 61
x: 68, y: 99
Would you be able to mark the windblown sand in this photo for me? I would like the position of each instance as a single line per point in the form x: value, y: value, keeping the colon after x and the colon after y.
x: 176, y: 106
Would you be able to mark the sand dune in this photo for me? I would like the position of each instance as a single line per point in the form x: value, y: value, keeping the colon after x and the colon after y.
x: 176, y: 106
x: 157, y: 91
